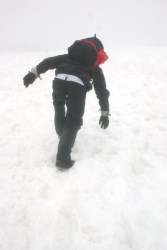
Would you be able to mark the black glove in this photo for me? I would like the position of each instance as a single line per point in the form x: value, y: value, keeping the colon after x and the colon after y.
x: 104, y: 120
x: 29, y: 79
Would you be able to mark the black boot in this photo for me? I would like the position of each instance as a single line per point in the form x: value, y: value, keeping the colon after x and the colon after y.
x: 62, y: 165
x: 66, y: 143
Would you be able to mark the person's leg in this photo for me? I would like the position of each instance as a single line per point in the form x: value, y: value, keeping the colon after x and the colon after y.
x: 59, y: 98
x: 75, y: 109
x: 65, y: 146
x: 75, y: 105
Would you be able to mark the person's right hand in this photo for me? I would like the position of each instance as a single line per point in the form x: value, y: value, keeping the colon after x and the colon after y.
x: 29, y: 79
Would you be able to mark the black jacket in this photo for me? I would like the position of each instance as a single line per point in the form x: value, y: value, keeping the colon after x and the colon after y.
x: 63, y: 64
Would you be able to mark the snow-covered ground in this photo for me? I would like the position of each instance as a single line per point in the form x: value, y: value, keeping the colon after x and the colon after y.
x: 115, y: 197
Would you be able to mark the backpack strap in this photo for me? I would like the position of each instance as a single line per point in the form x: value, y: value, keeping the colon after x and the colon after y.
x: 101, y: 55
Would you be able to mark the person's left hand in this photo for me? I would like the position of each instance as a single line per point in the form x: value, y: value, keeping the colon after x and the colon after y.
x: 104, y: 120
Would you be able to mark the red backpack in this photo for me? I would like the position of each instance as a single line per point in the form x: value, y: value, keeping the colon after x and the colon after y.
x: 89, y: 51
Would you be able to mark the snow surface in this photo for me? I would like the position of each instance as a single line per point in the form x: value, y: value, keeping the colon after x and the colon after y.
x: 115, y: 197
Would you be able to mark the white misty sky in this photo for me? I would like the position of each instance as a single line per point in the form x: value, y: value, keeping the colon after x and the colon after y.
x: 54, y: 24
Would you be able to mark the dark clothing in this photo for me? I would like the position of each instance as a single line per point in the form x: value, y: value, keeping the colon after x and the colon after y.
x: 67, y: 123
x: 73, y: 96
x: 66, y: 143
x: 69, y: 98
x: 75, y: 73
x: 63, y: 64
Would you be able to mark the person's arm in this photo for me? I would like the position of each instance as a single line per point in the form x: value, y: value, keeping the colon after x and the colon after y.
x: 42, y: 67
x: 103, y: 96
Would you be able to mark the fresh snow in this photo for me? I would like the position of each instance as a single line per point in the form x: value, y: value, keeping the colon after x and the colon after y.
x: 115, y: 197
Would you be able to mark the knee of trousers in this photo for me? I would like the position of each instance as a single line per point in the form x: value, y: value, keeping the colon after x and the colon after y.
x: 74, y: 124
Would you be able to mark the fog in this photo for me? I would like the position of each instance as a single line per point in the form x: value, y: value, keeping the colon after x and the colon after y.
x: 53, y: 24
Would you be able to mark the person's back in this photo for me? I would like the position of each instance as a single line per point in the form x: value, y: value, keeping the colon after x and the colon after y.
x: 74, y: 75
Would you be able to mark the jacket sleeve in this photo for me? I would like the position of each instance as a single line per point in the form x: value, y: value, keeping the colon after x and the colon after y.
x: 100, y: 89
x: 50, y: 63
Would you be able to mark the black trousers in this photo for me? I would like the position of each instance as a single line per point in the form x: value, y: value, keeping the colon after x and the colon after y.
x: 69, y: 104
